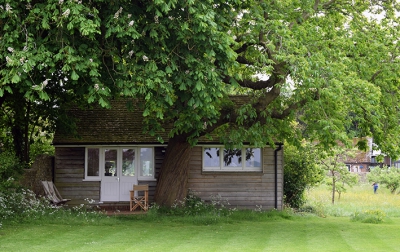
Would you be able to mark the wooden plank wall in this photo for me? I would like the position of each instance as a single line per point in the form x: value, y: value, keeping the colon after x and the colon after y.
x: 70, y: 172
x: 241, y: 190
x: 159, y: 153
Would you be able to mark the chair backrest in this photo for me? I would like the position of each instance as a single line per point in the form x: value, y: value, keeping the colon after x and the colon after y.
x: 140, y: 187
x: 51, y: 192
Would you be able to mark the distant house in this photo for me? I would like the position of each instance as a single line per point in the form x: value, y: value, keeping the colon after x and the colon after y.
x: 363, y: 161
x: 109, y: 154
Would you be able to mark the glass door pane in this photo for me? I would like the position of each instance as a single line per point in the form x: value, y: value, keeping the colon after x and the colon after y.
x: 128, y: 162
x: 110, y: 162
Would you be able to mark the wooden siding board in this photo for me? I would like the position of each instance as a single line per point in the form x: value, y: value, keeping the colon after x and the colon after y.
x: 240, y: 188
x: 69, y: 174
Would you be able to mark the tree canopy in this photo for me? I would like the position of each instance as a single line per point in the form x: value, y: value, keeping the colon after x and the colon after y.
x: 332, y: 66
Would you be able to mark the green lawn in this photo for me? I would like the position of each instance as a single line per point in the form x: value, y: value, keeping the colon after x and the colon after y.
x: 296, y: 234
x: 275, y: 232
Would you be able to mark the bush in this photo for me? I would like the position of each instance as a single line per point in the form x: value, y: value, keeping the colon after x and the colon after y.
x: 21, y: 206
x: 300, y: 172
x: 195, y: 209
x: 193, y: 205
x: 369, y: 216
x: 10, y: 170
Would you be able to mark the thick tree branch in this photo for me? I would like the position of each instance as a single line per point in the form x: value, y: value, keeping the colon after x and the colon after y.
x: 375, y: 75
x: 286, y: 112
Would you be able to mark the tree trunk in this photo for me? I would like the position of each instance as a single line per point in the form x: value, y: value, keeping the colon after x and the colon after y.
x: 172, y: 181
x: 18, y: 136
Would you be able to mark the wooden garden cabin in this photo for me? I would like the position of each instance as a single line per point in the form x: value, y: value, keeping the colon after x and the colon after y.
x: 109, y: 154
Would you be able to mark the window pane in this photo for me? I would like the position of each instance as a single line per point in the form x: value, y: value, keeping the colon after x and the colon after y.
x: 110, y: 162
x: 233, y: 158
x: 92, y: 162
x: 211, y: 157
x: 128, y: 162
x: 146, y: 162
x: 253, y: 157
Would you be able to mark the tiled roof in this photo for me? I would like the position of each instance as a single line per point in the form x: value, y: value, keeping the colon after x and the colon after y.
x: 97, y: 125
x: 118, y: 125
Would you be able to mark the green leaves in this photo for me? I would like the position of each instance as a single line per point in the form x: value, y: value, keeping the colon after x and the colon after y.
x: 335, y: 72
x: 74, y: 76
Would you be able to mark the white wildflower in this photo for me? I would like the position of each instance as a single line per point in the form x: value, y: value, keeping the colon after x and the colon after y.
x: 156, y: 19
x: 66, y: 13
x: 25, y: 48
x: 22, y: 60
x: 171, y: 18
x: 60, y: 1
x: 129, y: 15
x: 91, y: 60
x: 116, y: 15
x: 130, y: 53
x: 8, y: 59
x: 8, y: 7
x: 96, y: 87
x: 10, y: 49
x: 145, y: 58
x: 28, y: 6
x: 187, y: 72
x: 1, y: 7
x: 45, y: 82
x: 131, y: 23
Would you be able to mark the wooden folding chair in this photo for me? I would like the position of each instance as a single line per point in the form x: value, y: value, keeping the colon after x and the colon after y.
x: 53, y: 194
x: 139, y: 201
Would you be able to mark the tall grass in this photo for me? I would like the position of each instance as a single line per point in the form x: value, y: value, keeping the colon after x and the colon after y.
x: 359, y: 198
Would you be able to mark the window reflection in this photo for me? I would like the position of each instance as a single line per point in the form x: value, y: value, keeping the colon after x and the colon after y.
x: 110, y: 162
x: 128, y: 162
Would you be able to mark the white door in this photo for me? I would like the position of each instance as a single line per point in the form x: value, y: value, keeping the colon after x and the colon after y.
x: 128, y: 173
x: 118, y: 175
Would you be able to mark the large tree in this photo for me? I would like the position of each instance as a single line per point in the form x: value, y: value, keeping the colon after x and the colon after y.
x: 331, y: 64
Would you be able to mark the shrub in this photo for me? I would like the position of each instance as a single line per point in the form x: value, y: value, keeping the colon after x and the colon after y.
x: 195, y: 209
x: 369, y: 216
x: 10, y: 170
x: 21, y: 205
x: 300, y: 172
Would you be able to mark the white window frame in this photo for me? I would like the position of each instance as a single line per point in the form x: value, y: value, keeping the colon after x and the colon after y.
x: 119, y: 154
x: 223, y: 168
x: 92, y: 178
x: 138, y: 161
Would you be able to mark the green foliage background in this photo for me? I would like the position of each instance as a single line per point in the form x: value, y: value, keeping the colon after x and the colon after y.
x: 301, y: 171
x: 386, y: 176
